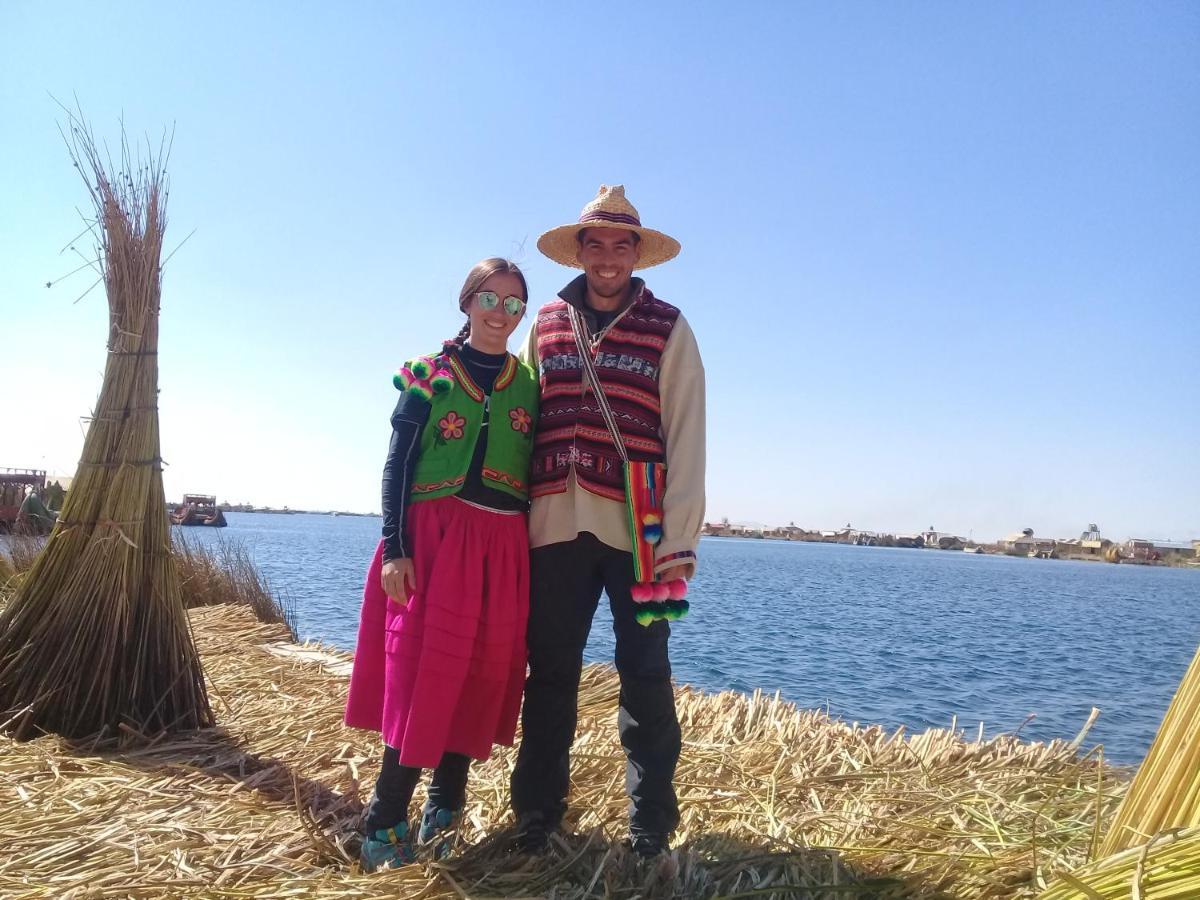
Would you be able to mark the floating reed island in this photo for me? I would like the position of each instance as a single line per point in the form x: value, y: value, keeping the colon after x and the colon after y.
x: 777, y: 801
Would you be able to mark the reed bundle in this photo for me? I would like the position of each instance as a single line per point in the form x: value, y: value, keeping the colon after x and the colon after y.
x: 1165, y: 793
x: 776, y: 802
x: 95, y: 639
x: 1164, y: 868
x: 1152, y: 848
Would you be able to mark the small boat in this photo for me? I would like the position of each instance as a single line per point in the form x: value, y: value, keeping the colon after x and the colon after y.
x: 199, y: 509
x: 972, y: 549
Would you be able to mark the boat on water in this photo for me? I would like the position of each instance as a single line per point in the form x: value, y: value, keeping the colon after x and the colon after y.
x: 198, y: 509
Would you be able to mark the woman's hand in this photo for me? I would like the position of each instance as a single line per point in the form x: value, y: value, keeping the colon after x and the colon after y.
x: 398, y: 580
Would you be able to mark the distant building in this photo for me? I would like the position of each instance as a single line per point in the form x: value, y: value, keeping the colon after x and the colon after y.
x: 937, y: 540
x: 1141, y: 549
x: 754, y: 531
x: 1090, y: 542
x: 790, y: 532
x: 1023, y: 543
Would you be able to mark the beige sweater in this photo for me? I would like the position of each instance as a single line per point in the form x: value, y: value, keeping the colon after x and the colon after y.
x: 554, y: 518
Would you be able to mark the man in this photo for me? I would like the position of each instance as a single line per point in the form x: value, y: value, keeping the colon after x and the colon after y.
x: 649, y: 367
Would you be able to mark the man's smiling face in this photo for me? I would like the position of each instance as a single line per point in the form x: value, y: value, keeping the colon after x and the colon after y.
x: 608, y: 257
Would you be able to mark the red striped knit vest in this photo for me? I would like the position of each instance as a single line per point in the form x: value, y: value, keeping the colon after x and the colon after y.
x: 570, y: 429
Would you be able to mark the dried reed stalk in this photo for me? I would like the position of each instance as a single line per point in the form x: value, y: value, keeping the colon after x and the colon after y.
x: 777, y: 803
x: 95, y: 639
x: 1165, y: 793
x: 1165, y: 868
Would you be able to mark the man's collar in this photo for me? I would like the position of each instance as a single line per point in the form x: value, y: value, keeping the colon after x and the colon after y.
x: 575, y: 293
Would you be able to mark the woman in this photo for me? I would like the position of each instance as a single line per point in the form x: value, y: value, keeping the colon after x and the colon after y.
x: 440, y: 661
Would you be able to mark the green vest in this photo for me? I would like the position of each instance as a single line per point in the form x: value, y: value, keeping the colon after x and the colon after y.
x: 455, y: 418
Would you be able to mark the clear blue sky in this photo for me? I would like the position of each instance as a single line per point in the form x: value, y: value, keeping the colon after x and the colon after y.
x: 942, y: 258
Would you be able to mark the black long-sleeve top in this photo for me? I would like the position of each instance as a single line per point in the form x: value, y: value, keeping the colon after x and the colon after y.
x: 408, y: 420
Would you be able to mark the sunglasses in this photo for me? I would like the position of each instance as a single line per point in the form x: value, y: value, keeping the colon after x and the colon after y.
x: 489, y: 300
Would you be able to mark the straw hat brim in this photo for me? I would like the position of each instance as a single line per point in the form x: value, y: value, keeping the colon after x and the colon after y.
x: 561, y: 245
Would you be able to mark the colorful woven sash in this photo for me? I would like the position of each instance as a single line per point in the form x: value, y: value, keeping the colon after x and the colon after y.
x: 645, y: 483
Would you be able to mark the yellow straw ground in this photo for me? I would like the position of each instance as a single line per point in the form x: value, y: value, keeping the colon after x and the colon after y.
x: 777, y: 802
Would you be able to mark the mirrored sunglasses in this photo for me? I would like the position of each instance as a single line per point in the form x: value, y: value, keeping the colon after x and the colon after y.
x: 489, y: 300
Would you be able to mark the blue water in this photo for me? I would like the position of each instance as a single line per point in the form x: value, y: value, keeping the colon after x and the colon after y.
x: 873, y: 634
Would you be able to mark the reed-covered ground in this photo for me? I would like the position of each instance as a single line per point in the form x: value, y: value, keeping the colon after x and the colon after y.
x: 777, y: 801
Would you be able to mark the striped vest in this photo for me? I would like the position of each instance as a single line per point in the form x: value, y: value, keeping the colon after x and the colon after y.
x: 570, y: 430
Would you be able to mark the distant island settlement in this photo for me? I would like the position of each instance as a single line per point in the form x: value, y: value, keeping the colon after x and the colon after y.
x: 248, y: 508
x: 29, y: 500
x: 1090, y: 546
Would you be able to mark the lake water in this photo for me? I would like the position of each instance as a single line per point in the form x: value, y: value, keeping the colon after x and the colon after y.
x: 882, y: 635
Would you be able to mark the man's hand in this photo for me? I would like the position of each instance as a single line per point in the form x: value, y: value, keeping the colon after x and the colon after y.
x: 398, y: 579
x: 683, y: 570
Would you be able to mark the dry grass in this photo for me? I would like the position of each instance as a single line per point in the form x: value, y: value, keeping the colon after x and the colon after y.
x: 224, y: 573
x: 777, y: 802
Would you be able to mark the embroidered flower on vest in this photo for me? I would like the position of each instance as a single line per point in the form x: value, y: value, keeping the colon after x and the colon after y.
x: 521, y: 420
x: 450, y: 426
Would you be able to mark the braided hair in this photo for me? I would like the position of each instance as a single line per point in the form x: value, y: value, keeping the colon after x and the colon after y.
x: 480, y: 272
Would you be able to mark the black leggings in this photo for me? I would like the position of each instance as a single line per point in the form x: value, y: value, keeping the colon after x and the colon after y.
x: 396, y: 783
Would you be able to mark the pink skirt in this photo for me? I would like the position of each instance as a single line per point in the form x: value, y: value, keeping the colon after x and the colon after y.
x: 447, y: 671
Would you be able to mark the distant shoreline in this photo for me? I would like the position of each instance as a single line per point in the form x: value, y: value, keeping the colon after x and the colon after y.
x: 285, y: 511
x: 1170, y: 558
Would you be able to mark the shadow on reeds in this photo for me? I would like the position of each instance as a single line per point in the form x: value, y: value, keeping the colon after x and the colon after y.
x: 329, y: 818
x: 591, y: 865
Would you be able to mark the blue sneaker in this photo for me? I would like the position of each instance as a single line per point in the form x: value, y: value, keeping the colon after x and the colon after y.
x: 387, y: 848
x: 435, y: 825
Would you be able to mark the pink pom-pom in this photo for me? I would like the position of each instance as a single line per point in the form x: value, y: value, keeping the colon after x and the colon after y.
x: 677, y: 589
x: 403, y: 378
x: 642, y: 593
x: 661, y: 591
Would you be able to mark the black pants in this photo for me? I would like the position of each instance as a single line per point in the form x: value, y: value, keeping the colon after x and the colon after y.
x: 566, y: 582
x: 396, y: 783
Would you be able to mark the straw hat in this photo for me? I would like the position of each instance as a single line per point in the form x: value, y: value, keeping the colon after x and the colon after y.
x: 610, y: 209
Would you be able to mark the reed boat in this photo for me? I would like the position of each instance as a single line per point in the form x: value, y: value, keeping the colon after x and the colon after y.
x: 199, y: 509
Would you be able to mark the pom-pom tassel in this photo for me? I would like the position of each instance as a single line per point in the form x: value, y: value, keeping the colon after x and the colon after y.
x: 422, y: 368
x: 403, y: 378
x: 642, y: 593
x: 441, y: 381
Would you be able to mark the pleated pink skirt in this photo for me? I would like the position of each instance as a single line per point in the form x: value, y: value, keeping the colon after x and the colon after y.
x: 447, y: 671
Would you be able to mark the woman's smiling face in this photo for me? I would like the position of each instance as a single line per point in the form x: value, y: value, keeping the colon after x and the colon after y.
x: 490, y: 328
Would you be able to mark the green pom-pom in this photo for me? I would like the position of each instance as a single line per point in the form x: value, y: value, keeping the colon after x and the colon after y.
x: 644, y: 616
x: 421, y: 389
x: 441, y: 382
x: 422, y: 367
x: 677, y: 609
x: 403, y: 378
